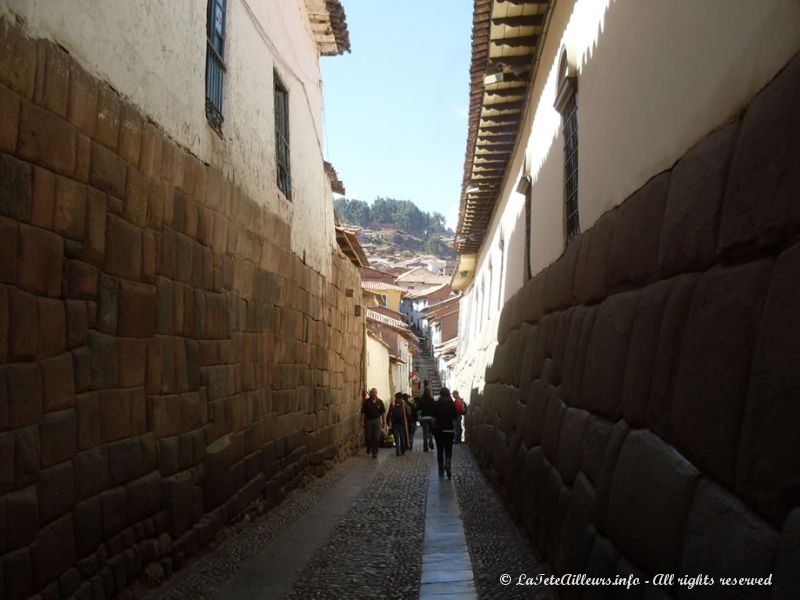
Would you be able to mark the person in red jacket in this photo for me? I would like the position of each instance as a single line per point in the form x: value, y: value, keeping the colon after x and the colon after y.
x: 461, y: 409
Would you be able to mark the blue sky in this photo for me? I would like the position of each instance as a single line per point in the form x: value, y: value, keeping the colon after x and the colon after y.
x: 396, y: 107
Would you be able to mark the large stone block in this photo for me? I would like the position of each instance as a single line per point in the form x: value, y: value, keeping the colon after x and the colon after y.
x: 558, y: 291
x: 51, y: 338
x: 87, y: 407
x: 633, y: 260
x: 689, y: 237
x: 88, y: 520
x: 53, y: 552
x: 52, y: 80
x: 24, y: 319
x: 15, y: 189
x: 718, y: 520
x: 69, y: 212
x: 22, y: 510
x: 606, y: 356
x: 123, y: 249
x: 714, y: 367
x: 651, y: 491
x: 114, y: 511
x: 642, y: 352
x: 58, y: 382
x: 94, y: 243
x: 665, y: 366
x: 24, y: 394
x: 761, y: 207
x: 9, y: 120
x: 8, y: 251
x: 607, y: 467
x: 103, y: 351
x: 46, y: 140
x: 578, y: 532
x: 132, y: 355
x: 108, y: 171
x: 595, y: 440
x: 56, y: 491
x: 91, y: 472
x: 593, y: 256
x: 551, y: 429
x: 59, y: 436
x: 570, y: 443
x: 787, y: 560
x: 41, y: 259
x: 77, y: 323
x: 82, y: 110
x: 768, y: 467
x: 602, y: 562
x: 130, y: 133
x: 143, y: 497
x: 17, y: 568
x: 17, y: 60
x: 125, y: 460
x: 575, y: 355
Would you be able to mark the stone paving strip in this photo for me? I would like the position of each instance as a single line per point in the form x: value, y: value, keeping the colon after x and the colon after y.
x: 375, y: 550
x: 211, y: 570
x: 496, y: 545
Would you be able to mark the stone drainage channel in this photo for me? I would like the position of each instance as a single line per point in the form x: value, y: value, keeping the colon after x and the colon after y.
x: 386, y: 528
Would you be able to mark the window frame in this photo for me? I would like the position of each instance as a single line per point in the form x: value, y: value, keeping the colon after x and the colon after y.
x: 567, y: 105
x: 215, y: 62
x: 283, y: 167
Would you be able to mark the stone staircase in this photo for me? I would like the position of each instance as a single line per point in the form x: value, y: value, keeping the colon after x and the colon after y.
x: 425, y: 365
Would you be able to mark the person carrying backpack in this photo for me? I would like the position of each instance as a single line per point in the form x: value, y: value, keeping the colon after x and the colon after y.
x: 461, y: 410
x: 443, y: 418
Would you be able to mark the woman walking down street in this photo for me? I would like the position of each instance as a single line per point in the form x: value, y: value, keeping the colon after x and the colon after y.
x: 426, y: 408
x: 397, y: 419
x: 443, y: 417
x: 411, y: 409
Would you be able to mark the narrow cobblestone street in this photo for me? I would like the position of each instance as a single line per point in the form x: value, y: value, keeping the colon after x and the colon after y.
x: 385, y: 528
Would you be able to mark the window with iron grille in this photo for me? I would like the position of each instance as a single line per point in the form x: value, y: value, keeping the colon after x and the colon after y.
x: 282, y: 137
x: 570, y: 126
x: 528, y: 210
x: 215, y: 64
x: 567, y: 104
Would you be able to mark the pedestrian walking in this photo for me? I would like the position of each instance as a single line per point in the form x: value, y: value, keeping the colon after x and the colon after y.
x: 427, y: 405
x: 411, y: 409
x: 372, y: 410
x: 397, y: 420
x: 443, y: 418
x: 461, y: 410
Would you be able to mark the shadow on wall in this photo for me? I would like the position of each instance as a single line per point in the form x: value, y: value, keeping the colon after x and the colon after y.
x: 640, y: 412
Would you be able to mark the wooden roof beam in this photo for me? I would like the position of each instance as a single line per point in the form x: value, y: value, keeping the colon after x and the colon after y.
x: 525, y: 41
x: 522, y: 21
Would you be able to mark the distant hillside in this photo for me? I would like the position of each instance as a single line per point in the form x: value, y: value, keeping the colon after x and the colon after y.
x: 425, y: 232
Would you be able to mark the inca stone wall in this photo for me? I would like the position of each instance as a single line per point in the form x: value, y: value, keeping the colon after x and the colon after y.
x: 164, y: 360
x: 641, y: 412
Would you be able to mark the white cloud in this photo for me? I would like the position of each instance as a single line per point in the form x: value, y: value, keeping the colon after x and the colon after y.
x: 462, y: 112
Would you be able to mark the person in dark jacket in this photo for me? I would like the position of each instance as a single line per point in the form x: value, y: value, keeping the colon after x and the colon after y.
x: 426, y: 407
x: 372, y: 409
x: 443, y: 417
x: 397, y: 417
x: 411, y: 409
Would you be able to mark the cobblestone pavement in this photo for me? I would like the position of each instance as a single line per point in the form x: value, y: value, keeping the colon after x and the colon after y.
x: 202, y: 577
x: 496, y: 545
x: 376, y: 549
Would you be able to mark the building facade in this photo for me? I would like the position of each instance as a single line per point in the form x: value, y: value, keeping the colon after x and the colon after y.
x: 625, y: 243
x: 176, y: 345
